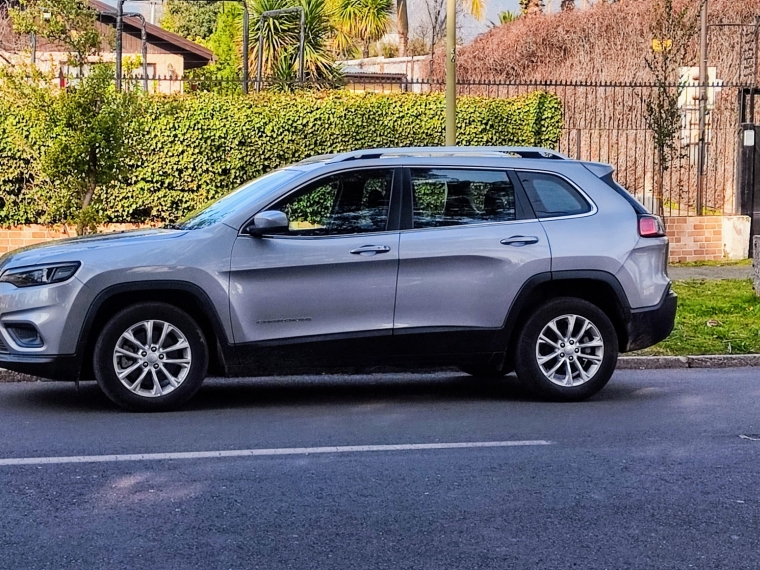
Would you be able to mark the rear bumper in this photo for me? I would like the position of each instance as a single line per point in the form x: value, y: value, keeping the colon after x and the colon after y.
x: 64, y: 367
x: 650, y: 325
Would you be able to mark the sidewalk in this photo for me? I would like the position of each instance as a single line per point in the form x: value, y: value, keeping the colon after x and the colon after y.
x: 710, y: 272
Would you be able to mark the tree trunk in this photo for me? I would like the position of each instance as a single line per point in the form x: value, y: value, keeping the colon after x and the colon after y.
x: 659, y: 187
x: 365, y: 50
x: 91, y: 183
x: 402, y: 27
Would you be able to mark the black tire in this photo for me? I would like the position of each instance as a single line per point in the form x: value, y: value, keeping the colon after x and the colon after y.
x: 483, y: 370
x: 192, y: 373
x: 529, y: 371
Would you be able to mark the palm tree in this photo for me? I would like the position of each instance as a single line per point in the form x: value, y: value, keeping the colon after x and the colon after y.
x: 508, y: 16
x: 280, y: 38
x: 402, y: 26
x: 477, y: 8
x: 361, y: 22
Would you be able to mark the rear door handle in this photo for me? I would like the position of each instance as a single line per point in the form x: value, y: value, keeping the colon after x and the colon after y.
x: 370, y: 249
x: 519, y: 241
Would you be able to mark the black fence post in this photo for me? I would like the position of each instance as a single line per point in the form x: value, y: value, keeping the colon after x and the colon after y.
x: 746, y: 179
x: 748, y: 193
x: 753, y: 198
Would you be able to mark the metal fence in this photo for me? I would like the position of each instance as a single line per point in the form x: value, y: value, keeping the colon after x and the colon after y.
x: 603, y: 122
x: 606, y: 122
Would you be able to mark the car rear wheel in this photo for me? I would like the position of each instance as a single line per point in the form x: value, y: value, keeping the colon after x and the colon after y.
x: 567, y: 350
x: 150, y: 357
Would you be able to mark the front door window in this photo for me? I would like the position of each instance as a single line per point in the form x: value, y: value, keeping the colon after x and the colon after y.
x: 344, y: 203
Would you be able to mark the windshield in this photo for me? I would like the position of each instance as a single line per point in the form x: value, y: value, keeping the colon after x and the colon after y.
x: 217, y: 210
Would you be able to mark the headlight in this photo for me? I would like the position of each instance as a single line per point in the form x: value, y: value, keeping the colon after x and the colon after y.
x: 40, y: 274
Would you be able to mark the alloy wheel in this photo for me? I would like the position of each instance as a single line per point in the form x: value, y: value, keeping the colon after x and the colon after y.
x: 152, y: 358
x: 569, y: 350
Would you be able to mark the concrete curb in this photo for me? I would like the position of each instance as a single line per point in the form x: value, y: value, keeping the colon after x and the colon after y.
x: 623, y: 363
x: 707, y: 361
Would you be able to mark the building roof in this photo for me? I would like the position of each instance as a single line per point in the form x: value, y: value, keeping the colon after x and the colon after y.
x: 195, y: 55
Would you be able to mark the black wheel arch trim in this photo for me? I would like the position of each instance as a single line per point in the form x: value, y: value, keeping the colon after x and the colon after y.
x: 225, y: 348
x: 504, y: 337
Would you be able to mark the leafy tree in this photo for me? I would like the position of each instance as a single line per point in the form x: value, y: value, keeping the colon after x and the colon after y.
x: 77, y: 137
x: 223, y: 74
x: 672, y: 31
x: 70, y: 23
x: 388, y: 49
x: 417, y: 46
x: 192, y: 20
x: 567, y: 5
x: 361, y: 22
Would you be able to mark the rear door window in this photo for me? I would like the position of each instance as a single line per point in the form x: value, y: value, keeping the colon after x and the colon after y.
x: 552, y: 196
x: 456, y: 197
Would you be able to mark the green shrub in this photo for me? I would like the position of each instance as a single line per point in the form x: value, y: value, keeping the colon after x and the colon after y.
x: 192, y: 149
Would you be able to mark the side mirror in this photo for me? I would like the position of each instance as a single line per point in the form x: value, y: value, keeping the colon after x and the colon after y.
x: 268, y: 223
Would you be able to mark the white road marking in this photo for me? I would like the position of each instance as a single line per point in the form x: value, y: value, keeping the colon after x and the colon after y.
x: 262, y: 452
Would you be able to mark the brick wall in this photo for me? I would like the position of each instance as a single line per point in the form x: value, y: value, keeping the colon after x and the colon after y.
x: 691, y: 238
x: 697, y: 238
x: 15, y: 237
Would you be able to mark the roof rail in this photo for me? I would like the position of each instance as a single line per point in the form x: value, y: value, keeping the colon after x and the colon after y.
x: 426, y: 151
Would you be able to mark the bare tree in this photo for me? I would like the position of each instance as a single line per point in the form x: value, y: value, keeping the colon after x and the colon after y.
x: 433, y: 26
x: 672, y: 31
x: 10, y: 41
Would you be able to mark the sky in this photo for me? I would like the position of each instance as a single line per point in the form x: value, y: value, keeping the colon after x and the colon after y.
x: 470, y: 26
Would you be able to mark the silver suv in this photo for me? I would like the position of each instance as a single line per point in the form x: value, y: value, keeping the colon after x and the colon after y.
x: 491, y: 259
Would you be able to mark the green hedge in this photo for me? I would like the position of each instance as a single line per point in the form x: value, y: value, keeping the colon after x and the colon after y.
x: 190, y: 149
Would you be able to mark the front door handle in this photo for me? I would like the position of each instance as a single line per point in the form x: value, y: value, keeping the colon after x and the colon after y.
x: 370, y: 249
x: 519, y: 241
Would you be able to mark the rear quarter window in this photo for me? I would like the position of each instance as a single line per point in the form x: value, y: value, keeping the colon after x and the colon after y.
x: 552, y: 196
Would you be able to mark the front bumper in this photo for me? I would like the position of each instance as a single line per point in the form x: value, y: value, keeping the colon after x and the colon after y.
x: 61, y: 367
x: 56, y: 311
x: 650, y: 325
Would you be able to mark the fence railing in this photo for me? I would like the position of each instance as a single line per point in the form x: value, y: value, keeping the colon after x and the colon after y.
x: 604, y: 122
x: 607, y: 122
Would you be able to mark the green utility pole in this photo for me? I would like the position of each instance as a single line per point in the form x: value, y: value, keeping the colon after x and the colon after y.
x: 451, y: 73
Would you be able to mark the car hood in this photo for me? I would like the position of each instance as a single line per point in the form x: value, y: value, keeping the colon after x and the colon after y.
x: 69, y: 249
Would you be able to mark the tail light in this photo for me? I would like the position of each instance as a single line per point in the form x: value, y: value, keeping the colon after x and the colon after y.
x: 651, y: 226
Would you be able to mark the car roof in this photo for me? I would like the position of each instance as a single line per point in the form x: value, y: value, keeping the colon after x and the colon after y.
x: 443, y: 157
x: 443, y: 152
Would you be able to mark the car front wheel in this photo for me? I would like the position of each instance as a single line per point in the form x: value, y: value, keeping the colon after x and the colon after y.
x: 150, y: 357
x: 567, y: 350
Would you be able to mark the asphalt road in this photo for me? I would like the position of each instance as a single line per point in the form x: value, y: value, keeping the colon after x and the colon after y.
x: 652, y: 473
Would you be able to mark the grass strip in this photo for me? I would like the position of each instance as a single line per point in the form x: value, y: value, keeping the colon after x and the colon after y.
x: 714, y: 317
